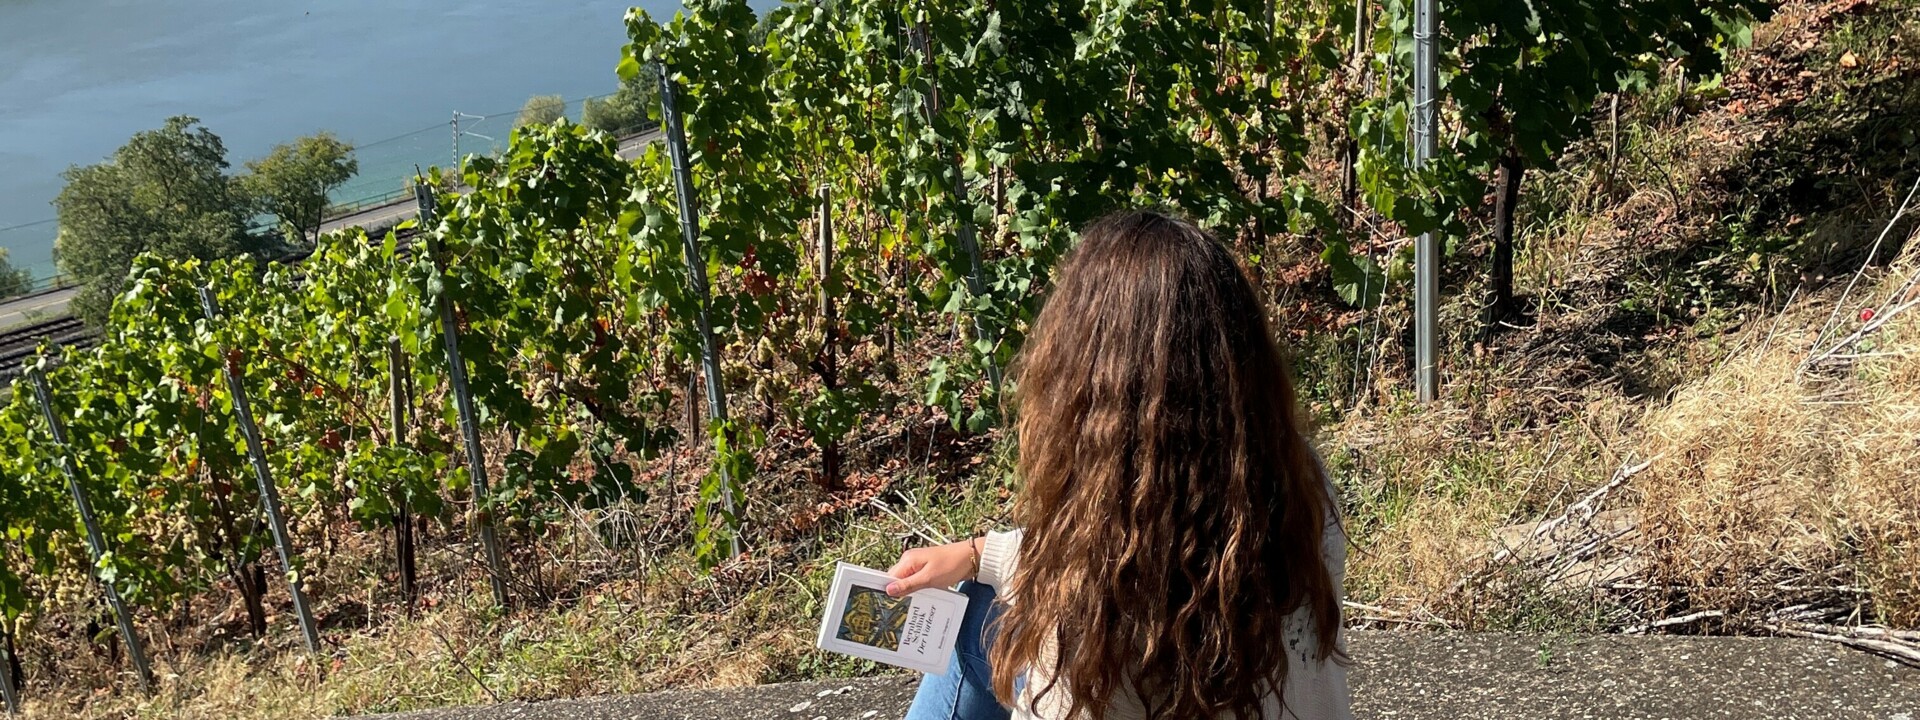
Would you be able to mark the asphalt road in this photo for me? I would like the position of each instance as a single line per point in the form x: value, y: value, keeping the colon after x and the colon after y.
x: 39, y: 306
x: 383, y: 216
x: 1415, y: 677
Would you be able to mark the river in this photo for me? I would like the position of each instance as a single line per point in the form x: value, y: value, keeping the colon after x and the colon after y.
x: 77, y: 77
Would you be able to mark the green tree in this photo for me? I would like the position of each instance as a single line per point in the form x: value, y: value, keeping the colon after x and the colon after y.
x: 166, y: 191
x: 541, y: 110
x: 13, y: 281
x: 293, y: 181
x: 624, y: 111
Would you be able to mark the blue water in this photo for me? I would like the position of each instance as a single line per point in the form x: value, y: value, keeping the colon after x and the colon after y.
x: 77, y: 77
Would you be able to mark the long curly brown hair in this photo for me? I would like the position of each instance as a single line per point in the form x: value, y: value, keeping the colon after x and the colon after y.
x: 1174, y: 511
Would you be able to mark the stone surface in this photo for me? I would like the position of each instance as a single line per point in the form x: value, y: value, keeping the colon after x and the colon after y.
x: 1414, y: 677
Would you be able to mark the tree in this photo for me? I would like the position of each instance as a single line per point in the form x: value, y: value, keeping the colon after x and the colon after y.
x: 293, y: 181
x: 541, y: 110
x: 13, y: 281
x: 166, y: 191
x: 623, y: 112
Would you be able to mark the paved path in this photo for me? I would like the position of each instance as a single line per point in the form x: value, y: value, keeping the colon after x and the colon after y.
x: 1416, y: 677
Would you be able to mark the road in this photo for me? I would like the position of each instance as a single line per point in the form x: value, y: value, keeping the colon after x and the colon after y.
x: 43, y: 305
x: 384, y: 216
x: 1415, y: 676
x: 52, y: 303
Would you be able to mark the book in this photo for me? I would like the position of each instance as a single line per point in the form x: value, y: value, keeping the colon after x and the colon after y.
x: 916, y: 632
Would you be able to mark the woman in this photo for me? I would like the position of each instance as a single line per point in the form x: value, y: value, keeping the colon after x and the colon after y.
x: 1180, y: 555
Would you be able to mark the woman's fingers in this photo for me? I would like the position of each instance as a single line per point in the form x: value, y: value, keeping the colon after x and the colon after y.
x: 910, y: 562
x: 908, y: 573
x: 907, y: 585
x: 937, y: 566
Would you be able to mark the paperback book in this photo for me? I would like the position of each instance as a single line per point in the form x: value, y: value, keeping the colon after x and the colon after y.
x: 916, y: 632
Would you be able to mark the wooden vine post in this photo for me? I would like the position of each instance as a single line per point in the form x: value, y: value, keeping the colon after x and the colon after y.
x: 829, y: 369
x: 676, y: 136
x: 463, y: 400
x: 263, y: 474
x: 96, y: 541
x: 400, y: 411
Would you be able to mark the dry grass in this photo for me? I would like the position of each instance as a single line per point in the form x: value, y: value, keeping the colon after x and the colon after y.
x: 1425, y: 494
x: 1771, y: 480
x: 1763, y: 489
x: 665, y: 624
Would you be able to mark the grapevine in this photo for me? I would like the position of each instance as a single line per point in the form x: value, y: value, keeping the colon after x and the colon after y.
x: 963, y: 143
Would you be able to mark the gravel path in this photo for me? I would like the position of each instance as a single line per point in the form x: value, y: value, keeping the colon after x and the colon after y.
x: 1414, y: 677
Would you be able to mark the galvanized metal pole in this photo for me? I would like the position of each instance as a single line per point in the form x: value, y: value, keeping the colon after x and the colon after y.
x: 976, y: 286
x: 263, y: 474
x: 463, y: 401
x: 826, y: 266
x: 96, y: 541
x: 697, y: 278
x: 1426, y: 290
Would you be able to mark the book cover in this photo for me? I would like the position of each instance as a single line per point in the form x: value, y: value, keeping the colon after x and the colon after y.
x: 916, y: 632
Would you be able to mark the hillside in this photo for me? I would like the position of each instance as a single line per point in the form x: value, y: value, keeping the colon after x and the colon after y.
x: 1703, y: 419
x: 1680, y: 432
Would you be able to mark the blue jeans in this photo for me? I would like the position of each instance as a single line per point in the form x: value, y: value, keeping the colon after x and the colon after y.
x: 966, y: 691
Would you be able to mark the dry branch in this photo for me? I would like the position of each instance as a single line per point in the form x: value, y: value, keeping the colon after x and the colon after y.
x: 1672, y: 621
x: 1582, y: 513
x: 1872, y: 254
x: 1903, y: 651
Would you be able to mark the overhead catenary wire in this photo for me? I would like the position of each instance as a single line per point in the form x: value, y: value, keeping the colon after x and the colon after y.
x: 29, y: 224
x: 382, y: 142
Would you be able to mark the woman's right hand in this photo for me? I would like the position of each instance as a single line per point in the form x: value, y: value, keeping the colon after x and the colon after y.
x: 937, y: 566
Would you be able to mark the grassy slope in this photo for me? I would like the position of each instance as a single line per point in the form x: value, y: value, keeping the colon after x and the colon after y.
x: 1678, y: 267
x: 1679, y: 271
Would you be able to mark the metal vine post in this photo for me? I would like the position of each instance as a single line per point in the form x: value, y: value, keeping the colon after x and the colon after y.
x: 976, y: 285
x: 263, y: 474
x: 830, y: 334
x: 676, y: 135
x: 96, y: 541
x: 7, y: 692
x: 1426, y: 292
x: 400, y: 412
x: 463, y: 400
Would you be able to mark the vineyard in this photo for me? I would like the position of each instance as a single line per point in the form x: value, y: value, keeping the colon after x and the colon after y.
x: 709, y: 353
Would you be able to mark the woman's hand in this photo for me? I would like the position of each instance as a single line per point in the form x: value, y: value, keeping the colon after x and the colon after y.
x: 937, y: 566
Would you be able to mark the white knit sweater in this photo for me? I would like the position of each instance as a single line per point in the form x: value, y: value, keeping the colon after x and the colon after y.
x: 1316, y: 689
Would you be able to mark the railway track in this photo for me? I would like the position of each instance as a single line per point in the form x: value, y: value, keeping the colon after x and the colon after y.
x: 19, y: 344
